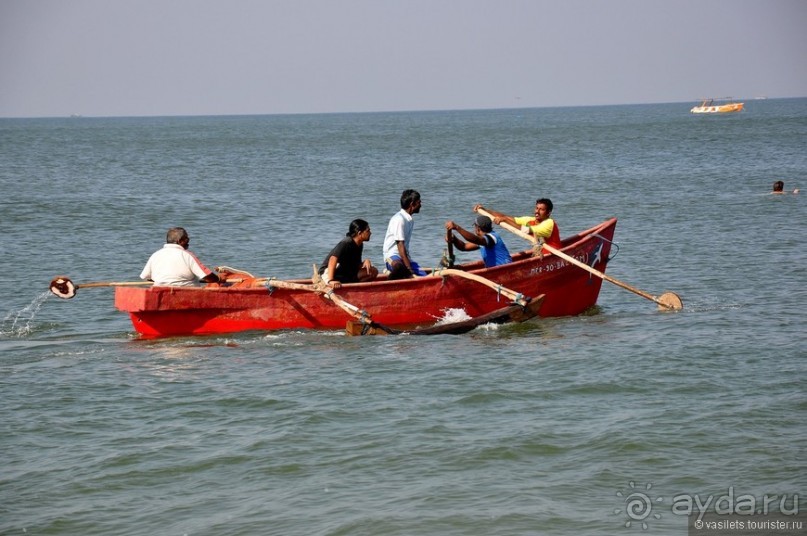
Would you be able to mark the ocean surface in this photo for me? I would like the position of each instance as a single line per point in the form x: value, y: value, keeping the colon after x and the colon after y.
x: 554, y: 427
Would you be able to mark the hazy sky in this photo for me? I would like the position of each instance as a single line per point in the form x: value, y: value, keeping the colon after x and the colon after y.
x: 200, y: 57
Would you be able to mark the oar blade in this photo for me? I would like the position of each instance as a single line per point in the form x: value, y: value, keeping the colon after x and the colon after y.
x: 670, y: 301
x: 62, y: 287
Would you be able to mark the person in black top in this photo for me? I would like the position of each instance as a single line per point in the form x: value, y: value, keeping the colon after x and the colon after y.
x: 344, y: 263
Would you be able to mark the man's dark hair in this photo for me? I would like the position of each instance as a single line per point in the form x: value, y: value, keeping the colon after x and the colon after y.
x: 546, y: 202
x: 408, y: 197
x: 357, y: 226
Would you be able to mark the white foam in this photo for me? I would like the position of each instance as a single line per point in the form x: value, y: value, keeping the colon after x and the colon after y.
x: 452, y: 315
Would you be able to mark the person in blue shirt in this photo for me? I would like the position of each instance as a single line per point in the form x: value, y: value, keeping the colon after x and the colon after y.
x: 484, y: 238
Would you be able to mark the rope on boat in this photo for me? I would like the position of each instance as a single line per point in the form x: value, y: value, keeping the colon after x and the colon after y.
x: 538, y: 248
x: 268, y: 285
x: 519, y: 298
x: 614, y: 244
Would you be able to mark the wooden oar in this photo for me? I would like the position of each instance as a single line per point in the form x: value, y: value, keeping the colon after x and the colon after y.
x: 450, y: 246
x: 448, y: 253
x: 513, y: 295
x: 668, y: 300
x: 63, y: 287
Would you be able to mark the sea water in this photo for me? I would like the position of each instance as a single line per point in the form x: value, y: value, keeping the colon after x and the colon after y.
x: 557, y: 426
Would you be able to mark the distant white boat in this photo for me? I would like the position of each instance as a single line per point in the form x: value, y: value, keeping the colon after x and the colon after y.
x: 714, y: 106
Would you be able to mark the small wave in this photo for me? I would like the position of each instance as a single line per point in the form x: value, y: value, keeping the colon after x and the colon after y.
x: 18, y: 324
x: 705, y: 307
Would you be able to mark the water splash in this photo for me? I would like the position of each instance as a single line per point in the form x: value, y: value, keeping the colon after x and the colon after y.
x: 20, y: 323
x: 452, y: 315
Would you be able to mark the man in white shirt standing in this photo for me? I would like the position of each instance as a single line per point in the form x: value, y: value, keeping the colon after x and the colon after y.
x: 396, y: 241
x: 174, y: 265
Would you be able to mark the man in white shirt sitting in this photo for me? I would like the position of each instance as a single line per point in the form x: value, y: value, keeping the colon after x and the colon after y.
x: 396, y: 241
x: 174, y: 265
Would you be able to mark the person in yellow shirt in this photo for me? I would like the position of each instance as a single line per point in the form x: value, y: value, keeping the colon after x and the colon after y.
x: 541, y: 225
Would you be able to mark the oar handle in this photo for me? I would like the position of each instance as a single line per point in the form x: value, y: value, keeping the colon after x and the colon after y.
x: 511, y: 228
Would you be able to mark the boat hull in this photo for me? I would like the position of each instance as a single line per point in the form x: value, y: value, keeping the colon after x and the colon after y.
x: 568, y: 290
x: 718, y: 109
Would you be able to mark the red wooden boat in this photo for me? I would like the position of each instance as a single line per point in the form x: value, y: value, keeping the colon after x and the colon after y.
x: 568, y: 290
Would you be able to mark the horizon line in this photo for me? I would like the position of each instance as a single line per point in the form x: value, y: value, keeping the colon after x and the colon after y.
x: 413, y: 110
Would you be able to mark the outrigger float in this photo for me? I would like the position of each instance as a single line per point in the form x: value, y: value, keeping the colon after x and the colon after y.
x: 564, y: 282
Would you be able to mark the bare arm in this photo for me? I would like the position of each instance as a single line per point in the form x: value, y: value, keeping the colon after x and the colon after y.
x: 473, y: 238
x: 331, y: 271
x: 402, y: 254
x: 498, y: 217
x: 464, y: 246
